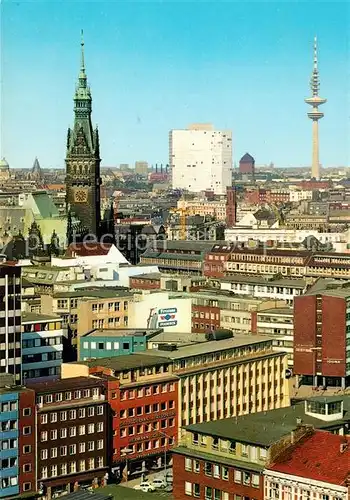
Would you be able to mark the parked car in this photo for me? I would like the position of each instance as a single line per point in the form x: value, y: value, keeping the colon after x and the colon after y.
x: 145, y: 486
x: 159, y: 483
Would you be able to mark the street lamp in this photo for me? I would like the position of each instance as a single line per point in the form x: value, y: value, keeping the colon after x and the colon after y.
x: 165, y: 435
x: 125, y: 453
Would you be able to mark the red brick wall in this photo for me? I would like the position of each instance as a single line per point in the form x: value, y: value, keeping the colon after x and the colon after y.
x: 254, y: 322
x: 27, y: 400
x: 144, y: 284
x: 214, y: 268
x: 181, y: 476
x: 304, y: 335
x: 209, y: 324
x: 333, y: 337
x: 118, y: 405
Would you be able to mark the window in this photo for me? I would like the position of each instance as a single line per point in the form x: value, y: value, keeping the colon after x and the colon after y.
x: 26, y: 449
x: 188, y: 488
x: 196, y: 490
x: 53, y: 470
x: 244, y: 450
x: 27, y: 430
x: 72, y: 414
x: 246, y: 478
x: 53, y: 452
x: 81, y: 430
x: 188, y: 464
x: 72, y: 431
x: 238, y: 476
x: 27, y: 412
x: 72, y: 449
x: 44, y: 473
x: 63, y: 451
x: 63, y: 416
x: 91, y: 446
x: 44, y: 454
x: 208, y: 493
x: 99, y: 461
x: 43, y: 436
x: 196, y: 466
x: 27, y: 486
x: 53, y: 434
x: 91, y: 411
x: 43, y: 418
x: 81, y: 465
x: 255, y: 480
x: 53, y: 417
x: 81, y: 413
x: 100, y: 410
x: 208, y: 469
x: 216, y: 471
x: 224, y: 473
x: 99, y: 426
x: 27, y: 467
x: 81, y: 447
x: 64, y: 469
x: 63, y: 433
x: 100, y: 444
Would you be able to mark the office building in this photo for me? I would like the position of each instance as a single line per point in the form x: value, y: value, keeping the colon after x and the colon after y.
x: 101, y: 343
x: 42, y: 346
x: 72, y: 433
x: 10, y: 320
x: 17, y: 440
x: 201, y: 159
x: 142, y: 392
x: 321, y: 337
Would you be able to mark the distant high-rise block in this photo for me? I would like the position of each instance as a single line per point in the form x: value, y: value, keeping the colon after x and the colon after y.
x: 200, y: 159
x: 247, y: 165
x: 141, y: 168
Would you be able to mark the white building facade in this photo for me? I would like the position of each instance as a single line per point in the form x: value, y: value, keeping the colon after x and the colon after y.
x: 201, y: 159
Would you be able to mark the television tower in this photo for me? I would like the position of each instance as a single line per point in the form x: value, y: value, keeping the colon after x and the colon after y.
x: 315, y: 101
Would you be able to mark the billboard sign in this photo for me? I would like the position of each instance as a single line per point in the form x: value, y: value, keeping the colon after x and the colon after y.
x: 167, y: 317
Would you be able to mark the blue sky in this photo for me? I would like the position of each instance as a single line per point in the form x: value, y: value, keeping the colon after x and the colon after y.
x: 154, y: 66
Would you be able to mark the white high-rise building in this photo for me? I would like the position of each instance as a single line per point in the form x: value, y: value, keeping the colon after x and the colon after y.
x: 201, y: 158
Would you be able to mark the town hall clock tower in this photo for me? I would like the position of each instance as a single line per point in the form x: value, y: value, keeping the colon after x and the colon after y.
x: 83, y: 160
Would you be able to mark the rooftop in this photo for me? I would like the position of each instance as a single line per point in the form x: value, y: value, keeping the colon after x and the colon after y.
x: 279, y: 311
x: 147, y: 276
x: 319, y: 458
x: 31, y: 317
x: 213, y: 346
x: 121, y: 332
x: 88, y: 249
x: 98, y: 292
x: 267, y: 427
x: 127, y: 362
x: 260, y: 280
x: 64, y: 384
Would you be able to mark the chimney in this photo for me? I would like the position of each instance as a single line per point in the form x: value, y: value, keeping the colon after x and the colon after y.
x: 156, y: 168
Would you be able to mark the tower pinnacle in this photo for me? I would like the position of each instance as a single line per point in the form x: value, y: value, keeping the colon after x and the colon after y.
x: 315, y: 114
x: 82, y: 66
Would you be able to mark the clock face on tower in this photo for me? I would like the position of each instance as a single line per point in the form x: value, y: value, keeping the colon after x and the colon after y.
x: 80, y: 196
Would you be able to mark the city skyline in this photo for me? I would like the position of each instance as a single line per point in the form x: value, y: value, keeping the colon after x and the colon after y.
x: 142, y: 77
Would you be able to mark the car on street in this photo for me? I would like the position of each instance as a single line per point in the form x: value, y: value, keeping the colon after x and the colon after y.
x: 145, y: 486
x: 159, y: 483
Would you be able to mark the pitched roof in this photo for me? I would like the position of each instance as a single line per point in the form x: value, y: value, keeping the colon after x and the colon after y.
x: 247, y: 158
x: 88, y: 249
x: 318, y: 457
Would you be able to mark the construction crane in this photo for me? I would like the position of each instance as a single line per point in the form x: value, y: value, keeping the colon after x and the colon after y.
x: 183, y: 213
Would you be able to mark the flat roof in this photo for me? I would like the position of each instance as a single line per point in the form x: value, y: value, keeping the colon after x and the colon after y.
x: 280, y: 311
x: 30, y: 317
x: 127, y: 361
x: 213, y: 346
x: 260, y: 280
x: 101, y: 293
x: 147, y: 276
x: 266, y: 427
x: 121, y: 332
x: 64, y: 384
